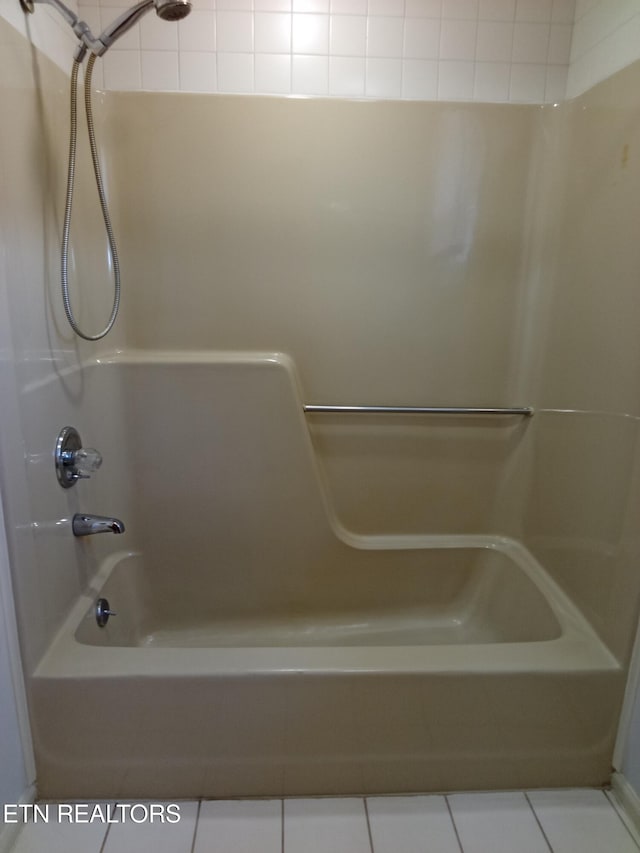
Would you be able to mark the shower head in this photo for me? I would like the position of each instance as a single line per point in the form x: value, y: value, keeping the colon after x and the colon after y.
x: 172, y: 10
x: 168, y: 10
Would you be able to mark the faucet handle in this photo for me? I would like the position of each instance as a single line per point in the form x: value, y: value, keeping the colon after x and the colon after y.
x: 85, y: 462
x: 73, y: 461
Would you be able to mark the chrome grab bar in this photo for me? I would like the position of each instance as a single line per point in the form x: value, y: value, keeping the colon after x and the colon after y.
x: 518, y: 411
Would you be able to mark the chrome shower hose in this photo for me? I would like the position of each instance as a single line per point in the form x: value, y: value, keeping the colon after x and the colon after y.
x: 69, y: 202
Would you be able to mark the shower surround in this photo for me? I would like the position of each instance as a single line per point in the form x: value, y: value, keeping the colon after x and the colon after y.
x: 473, y: 579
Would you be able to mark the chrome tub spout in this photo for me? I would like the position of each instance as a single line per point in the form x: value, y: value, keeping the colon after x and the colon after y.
x: 87, y: 525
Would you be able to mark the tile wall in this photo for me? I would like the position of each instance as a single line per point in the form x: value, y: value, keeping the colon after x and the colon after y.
x: 482, y: 50
x: 606, y: 38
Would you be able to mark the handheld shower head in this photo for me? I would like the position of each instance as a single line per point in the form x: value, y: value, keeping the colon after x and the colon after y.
x: 172, y: 10
x: 168, y: 10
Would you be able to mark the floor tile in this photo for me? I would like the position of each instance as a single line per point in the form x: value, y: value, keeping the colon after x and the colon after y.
x: 154, y: 836
x: 581, y: 822
x: 497, y: 823
x: 411, y: 825
x: 325, y: 826
x: 63, y: 837
x: 634, y: 831
x: 239, y: 826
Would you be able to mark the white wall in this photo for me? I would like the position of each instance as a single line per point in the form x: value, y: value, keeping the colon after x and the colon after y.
x: 606, y: 38
x: 483, y: 50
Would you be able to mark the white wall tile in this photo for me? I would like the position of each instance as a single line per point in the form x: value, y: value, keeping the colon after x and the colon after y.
x: 563, y: 11
x: 492, y: 81
x: 384, y: 78
x: 581, y: 76
x: 272, y: 5
x: 122, y: 71
x: 198, y: 31
x: 458, y: 40
x: 455, y: 81
x: 310, y: 34
x: 460, y: 9
x: 495, y: 41
x: 559, y: 44
x: 423, y: 8
x: 160, y: 70
x: 272, y: 32
x: 346, y: 76
x: 471, y: 42
x: 497, y: 10
x: 604, y: 40
x: 273, y: 73
x: 197, y: 71
x: 234, y: 32
x: 235, y: 72
x: 420, y: 79
x: 130, y: 40
x: 534, y: 10
x: 311, y: 6
x: 555, y: 84
x: 156, y: 34
x: 384, y: 37
x: 348, y: 7
x: 233, y: 5
x: 386, y: 8
x: 310, y: 75
x: 421, y: 38
x: 530, y: 42
x: 348, y: 35
x: 92, y: 16
x: 527, y: 84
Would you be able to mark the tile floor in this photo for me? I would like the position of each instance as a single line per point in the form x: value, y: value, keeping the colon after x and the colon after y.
x: 567, y: 821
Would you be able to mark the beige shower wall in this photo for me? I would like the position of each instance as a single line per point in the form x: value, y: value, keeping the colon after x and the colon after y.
x: 419, y: 254
x: 42, y: 385
x: 583, y: 503
x: 379, y: 244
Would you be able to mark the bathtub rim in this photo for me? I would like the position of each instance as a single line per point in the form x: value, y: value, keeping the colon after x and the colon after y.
x: 577, y: 649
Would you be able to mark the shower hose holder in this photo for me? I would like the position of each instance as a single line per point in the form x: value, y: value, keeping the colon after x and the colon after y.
x: 73, y: 461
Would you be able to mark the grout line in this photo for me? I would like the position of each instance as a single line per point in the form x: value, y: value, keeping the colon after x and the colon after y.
x: 104, y: 840
x: 537, y: 819
x: 366, y: 812
x: 620, y: 814
x: 106, y: 835
x: 195, y: 828
x: 453, y: 821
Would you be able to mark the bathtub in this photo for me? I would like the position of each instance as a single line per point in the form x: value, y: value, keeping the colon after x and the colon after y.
x: 459, y: 665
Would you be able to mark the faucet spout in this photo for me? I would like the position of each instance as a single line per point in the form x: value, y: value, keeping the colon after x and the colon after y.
x: 87, y: 525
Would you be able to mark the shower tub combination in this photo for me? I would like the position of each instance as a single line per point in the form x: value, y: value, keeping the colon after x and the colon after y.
x: 264, y: 650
